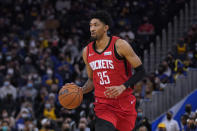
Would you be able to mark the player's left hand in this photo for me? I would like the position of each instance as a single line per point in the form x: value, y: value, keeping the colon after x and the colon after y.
x: 114, y: 91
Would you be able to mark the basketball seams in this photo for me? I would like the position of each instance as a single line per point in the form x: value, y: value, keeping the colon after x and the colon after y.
x: 72, y: 100
x: 61, y: 98
x: 75, y: 98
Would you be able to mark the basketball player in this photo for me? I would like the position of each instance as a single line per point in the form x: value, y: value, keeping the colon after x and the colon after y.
x: 108, y: 61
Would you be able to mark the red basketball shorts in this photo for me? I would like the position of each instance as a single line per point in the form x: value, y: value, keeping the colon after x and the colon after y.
x: 120, y: 112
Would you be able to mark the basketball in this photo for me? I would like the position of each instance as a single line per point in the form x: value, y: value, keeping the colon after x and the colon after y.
x: 70, y: 96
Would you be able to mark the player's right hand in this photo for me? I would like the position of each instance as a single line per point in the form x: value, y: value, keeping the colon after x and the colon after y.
x: 114, y: 91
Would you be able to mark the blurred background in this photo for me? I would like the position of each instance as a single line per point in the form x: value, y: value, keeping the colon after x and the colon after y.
x: 40, y: 50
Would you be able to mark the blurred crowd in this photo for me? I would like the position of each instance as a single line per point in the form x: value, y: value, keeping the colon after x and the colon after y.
x: 174, y: 65
x: 41, y: 43
x: 188, y: 121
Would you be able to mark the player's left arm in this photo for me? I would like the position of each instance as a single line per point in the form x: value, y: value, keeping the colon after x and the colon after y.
x: 125, y: 50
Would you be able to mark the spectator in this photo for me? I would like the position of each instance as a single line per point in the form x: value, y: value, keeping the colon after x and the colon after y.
x: 40, y: 102
x: 184, y: 122
x: 82, y: 126
x: 21, y: 117
x: 27, y: 67
x: 8, y: 90
x: 6, y: 117
x: 162, y: 127
x: 181, y: 49
x: 170, y: 123
x: 68, y: 125
x: 146, y: 28
x: 142, y: 128
x: 129, y: 33
x: 29, y: 125
x: 191, y: 125
x: 4, y: 126
x: 145, y: 32
x: 179, y: 70
x: 167, y: 71
x: 65, y: 73
x: 49, y: 110
x: 188, y: 110
x: 142, y: 120
x: 46, y: 125
x: 65, y: 126
x: 28, y: 91
x: 51, y: 78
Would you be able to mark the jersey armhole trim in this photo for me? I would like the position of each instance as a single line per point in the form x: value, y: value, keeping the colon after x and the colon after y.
x: 116, y: 53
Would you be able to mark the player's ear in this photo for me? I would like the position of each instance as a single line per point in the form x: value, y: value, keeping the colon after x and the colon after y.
x: 106, y: 28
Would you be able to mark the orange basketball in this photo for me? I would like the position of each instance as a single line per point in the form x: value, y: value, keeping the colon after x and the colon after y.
x: 70, y: 96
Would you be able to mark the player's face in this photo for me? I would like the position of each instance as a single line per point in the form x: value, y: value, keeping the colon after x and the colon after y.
x: 97, y: 29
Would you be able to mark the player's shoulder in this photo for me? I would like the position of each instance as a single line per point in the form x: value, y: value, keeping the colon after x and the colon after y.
x: 121, y: 43
x: 84, y: 50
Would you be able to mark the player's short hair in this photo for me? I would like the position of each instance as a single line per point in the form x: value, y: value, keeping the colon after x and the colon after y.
x: 103, y: 16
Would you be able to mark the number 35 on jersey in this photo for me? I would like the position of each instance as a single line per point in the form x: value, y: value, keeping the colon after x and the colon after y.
x: 104, y: 78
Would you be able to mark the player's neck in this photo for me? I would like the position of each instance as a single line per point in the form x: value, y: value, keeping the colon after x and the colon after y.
x: 102, y: 43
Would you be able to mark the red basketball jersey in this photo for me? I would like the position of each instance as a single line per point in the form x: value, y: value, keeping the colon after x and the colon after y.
x: 107, y: 69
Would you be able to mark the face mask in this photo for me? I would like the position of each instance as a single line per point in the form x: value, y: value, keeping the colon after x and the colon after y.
x: 6, y: 83
x: 78, y: 82
x: 35, y: 76
x: 8, y: 58
x: 21, y: 43
x: 190, y: 55
x: 30, y: 85
x: 48, y: 106
x: 4, y: 128
x: 30, y: 126
x: 10, y: 71
x: 49, y: 72
x: 24, y: 115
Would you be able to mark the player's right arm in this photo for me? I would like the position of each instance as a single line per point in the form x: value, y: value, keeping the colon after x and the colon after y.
x: 88, y: 86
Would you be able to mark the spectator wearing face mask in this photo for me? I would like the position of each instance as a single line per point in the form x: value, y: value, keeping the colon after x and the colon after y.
x: 171, y: 124
x: 21, y: 117
x: 49, y: 111
x: 28, y: 91
x: 141, y: 120
x: 8, y: 90
x: 5, y: 126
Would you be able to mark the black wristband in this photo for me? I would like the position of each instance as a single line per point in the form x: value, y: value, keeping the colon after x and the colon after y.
x: 139, y: 74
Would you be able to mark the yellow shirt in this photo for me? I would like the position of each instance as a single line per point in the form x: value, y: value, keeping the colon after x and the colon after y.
x: 181, y: 49
x: 50, y: 113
